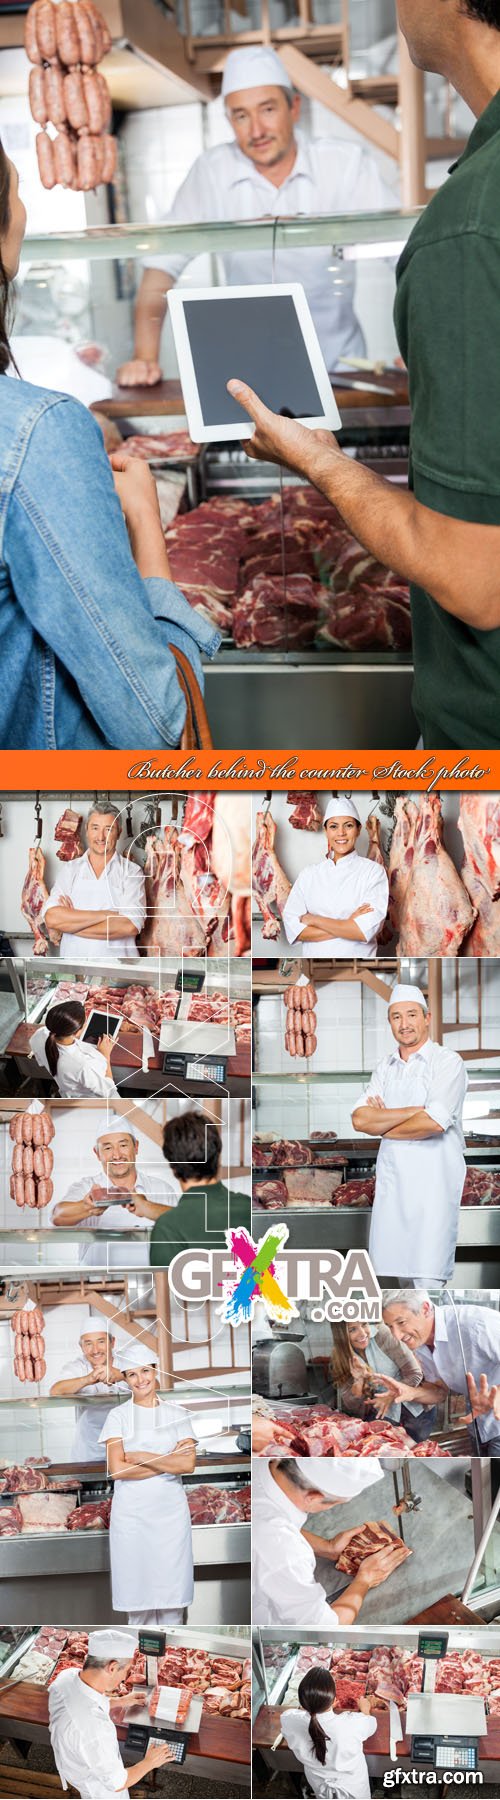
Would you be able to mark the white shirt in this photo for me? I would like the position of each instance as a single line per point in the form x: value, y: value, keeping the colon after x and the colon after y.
x: 480, y: 1331
x: 345, y: 1763
x: 84, y: 1740
x: 334, y: 890
x: 112, y: 1219
x: 86, y: 1446
x: 121, y: 888
x: 81, y: 1068
x: 329, y: 176
x: 419, y: 1181
x: 285, y: 1589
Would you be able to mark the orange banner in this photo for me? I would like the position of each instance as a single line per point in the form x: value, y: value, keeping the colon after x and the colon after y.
x: 76, y: 771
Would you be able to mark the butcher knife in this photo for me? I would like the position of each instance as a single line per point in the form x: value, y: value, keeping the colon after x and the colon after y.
x: 148, y: 1049
x: 395, y: 1729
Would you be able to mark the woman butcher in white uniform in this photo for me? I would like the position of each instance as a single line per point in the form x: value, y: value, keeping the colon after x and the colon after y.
x: 329, y: 1745
x: 337, y: 906
x: 79, y: 1069
x: 151, y: 1444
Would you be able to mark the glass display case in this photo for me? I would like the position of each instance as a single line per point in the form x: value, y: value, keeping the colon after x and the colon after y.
x: 297, y: 612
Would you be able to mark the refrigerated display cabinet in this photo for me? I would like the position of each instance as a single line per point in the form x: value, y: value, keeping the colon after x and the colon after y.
x: 334, y: 664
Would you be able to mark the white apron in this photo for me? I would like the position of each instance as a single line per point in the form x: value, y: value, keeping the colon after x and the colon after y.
x: 92, y: 893
x: 151, y: 1544
x: 418, y: 1190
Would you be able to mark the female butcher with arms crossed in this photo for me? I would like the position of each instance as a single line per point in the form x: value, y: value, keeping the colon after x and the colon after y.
x: 79, y: 1069
x: 150, y: 1445
x: 87, y: 612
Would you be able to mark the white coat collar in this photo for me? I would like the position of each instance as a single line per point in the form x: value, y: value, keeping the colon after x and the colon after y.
x: 425, y: 1051
x: 344, y: 861
x: 281, y: 1501
x: 108, y: 864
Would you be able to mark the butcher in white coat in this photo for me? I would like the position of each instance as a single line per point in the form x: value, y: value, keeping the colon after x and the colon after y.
x: 98, y: 902
x: 90, y: 1373
x: 82, y: 1734
x: 285, y: 1589
x: 116, y: 1150
x: 80, y: 1070
x: 329, y: 1745
x: 336, y: 907
x: 150, y: 1444
x: 414, y: 1104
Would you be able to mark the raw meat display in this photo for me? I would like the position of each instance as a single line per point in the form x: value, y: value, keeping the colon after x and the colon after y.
x: 296, y: 1153
x: 319, y: 1431
x: 210, y: 1009
x: 241, y: 1012
x: 358, y: 1192
x: 271, y: 886
x: 10, y: 1521
x: 272, y: 1195
x: 68, y: 836
x: 29, y: 1341
x: 391, y: 1672
x: 43, y: 1512
x: 165, y: 446
x: 32, y: 1158
x: 437, y: 913
x: 300, y: 1029
x: 401, y: 858
x: 314, y: 1187
x: 372, y: 612
x: 305, y: 815
x: 64, y: 42
x: 479, y: 823
x: 93, y: 1515
x: 33, y: 899
x: 481, y: 1188
x: 211, y: 1505
x: 373, y: 1535
x: 272, y: 615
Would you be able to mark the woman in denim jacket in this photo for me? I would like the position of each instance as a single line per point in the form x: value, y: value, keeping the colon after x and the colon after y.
x: 87, y: 608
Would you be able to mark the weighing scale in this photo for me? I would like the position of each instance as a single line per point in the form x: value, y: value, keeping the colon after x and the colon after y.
x: 196, y: 1068
x: 444, y: 1728
x: 142, y: 1731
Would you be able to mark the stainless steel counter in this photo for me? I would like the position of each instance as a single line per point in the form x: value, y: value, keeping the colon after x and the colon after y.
x: 67, y: 1579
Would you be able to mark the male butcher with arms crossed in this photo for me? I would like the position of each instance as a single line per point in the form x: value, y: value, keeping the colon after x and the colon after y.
x: 337, y: 906
x: 414, y: 1104
x: 269, y: 169
x: 99, y: 903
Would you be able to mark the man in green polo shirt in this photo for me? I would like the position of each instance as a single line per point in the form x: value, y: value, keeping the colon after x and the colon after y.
x: 193, y: 1148
x: 444, y: 535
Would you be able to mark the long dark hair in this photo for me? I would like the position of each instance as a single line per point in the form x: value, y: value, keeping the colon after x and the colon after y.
x: 316, y: 1695
x: 5, y: 295
x: 61, y: 1021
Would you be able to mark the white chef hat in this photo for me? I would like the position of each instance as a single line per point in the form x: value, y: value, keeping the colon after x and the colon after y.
x: 341, y: 1478
x: 341, y: 808
x: 94, y: 1328
x: 114, y: 1644
x: 114, y: 1127
x: 258, y: 65
x: 403, y: 990
x: 136, y: 1356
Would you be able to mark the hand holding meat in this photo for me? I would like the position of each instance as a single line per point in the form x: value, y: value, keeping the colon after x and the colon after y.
x: 377, y: 1568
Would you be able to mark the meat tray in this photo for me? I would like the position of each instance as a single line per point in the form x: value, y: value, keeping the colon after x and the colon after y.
x: 166, y: 1713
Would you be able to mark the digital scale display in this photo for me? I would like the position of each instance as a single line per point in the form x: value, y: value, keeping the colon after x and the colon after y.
x: 433, y: 1648
x: 152, y: 1643
x: 189, y: 981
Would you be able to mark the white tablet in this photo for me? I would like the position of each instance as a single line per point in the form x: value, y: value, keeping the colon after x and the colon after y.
x: 262, y: 335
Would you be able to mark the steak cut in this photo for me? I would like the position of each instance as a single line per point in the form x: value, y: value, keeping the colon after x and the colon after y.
x: 272, y: 1195
x: 211, y: 1505
x: 371, y: 1536
x: 68, y: 835
x: 271, y: 616
x: 306, y: 815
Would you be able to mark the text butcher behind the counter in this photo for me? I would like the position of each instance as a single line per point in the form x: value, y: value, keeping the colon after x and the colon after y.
x: 414, y: 1103
x: 99, y: 902
x: 339, y: 904
x: 269, y: 170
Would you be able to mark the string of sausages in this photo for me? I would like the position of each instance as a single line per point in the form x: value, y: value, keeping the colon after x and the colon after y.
x: 32, y: 1159
x: 300, y: 1030
x: 29, y: 1344
x: 64, y: 40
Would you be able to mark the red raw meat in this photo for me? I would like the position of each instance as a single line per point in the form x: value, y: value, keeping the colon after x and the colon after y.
x: 358, y: 1192
x: 479, y: 823
x: 267, y: 614
x: 210, y: 1505
x: 33, y: 898
x: 68, y: 835
x: 272, y: 1195
x: 93, y: 1515
x: 11, y: 1521
x: 369, y: 618
x: 306, y: 815
x: 348, y: 1694
x: 436, y: 914
x: 373, y: 1535
x: 171, y: 446
x: 22, y: 1479
x: 270, y: 885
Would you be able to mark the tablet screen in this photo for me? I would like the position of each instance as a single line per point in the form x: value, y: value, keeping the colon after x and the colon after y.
x: 101, y: 1024
x: 259, y: 340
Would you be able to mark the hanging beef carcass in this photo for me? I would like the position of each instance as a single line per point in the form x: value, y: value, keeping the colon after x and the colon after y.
x: 479, y: 823
x: 68, y: 835
x: 34, y: 897
x: 170, y: 927
x: 209, y: 895
x: 376, y: 855
x: 306, y: 815
x: 270, y: 885
x: 401, y: 858
x: 437, y: 913
x: 230, y: 858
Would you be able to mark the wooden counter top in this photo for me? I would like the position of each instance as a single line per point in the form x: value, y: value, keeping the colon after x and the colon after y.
x: 127, y: 1053
x: 166, y: 397
x: 268, y: 1725
x: 226, y: 1740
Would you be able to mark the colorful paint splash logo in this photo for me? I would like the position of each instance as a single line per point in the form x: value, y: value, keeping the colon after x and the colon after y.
x: 255, y: 1278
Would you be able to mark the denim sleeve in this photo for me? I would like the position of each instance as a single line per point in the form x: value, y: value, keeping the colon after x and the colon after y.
x: 68, y: 554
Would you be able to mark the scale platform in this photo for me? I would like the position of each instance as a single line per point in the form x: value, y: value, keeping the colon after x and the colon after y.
x: 139, y: 1716
x: 445, y: 1715
x: 189, y: 1037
